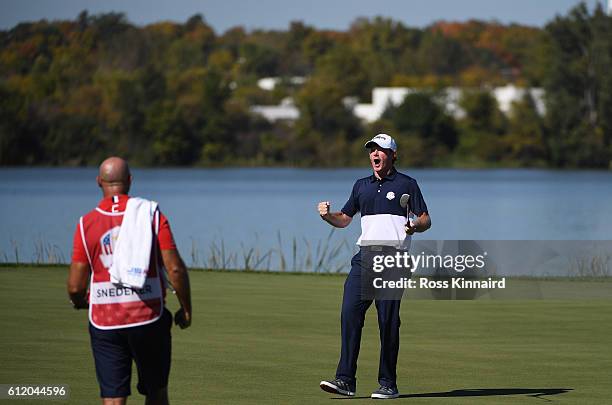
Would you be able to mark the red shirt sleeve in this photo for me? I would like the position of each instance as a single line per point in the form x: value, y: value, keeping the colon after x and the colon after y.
x: 78, y: 250
x: 165, y: 238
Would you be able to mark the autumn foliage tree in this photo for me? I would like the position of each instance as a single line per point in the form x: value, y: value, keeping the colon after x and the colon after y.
x: 72, y: 92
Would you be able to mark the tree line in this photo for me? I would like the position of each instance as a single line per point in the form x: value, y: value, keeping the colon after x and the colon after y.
x: 73, y: 92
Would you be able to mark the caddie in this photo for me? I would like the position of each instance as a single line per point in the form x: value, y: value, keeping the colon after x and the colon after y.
x: 122, y: 251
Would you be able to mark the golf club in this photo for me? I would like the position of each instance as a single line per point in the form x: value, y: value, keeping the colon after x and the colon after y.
x: 405, y: 203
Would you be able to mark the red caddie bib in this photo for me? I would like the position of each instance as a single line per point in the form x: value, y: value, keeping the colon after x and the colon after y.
x: 112, y: 306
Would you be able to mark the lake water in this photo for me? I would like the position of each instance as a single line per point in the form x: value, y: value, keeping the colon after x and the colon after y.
x: 268, y: 217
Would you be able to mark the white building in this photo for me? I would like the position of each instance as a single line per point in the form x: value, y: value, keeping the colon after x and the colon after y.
x: 269, y: 83
x: 506, y: 95
x: 286, y: 110
x: 383, y: 97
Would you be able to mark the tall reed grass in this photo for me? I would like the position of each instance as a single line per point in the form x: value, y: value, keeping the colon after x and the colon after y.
x: 43, y: 253
x: 286, y: 254
x: 595, y: 266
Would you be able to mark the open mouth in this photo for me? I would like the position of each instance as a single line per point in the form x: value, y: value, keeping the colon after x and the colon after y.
x: 376, y: 161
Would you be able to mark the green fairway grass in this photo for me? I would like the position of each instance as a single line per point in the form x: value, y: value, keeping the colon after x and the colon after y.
x: 270, y: 338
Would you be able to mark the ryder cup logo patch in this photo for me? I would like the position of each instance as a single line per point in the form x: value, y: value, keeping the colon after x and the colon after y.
x: 107, y: 245
x: 390, y: 195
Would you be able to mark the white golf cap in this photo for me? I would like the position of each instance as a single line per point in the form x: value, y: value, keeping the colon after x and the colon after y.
x: 384, y: 141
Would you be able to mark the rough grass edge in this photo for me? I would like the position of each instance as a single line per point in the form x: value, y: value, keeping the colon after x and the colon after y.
x: 17, y: 266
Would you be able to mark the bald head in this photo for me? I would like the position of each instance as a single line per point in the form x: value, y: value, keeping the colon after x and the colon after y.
x: 114, y: 177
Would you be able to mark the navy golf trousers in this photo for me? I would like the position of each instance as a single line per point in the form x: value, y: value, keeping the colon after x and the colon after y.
x: 354, y: 308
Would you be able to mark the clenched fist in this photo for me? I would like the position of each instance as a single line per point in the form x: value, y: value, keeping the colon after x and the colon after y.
x: 324, y: 208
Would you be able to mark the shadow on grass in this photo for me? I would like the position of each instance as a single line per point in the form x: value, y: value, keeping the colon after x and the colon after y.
x: 484, y: 392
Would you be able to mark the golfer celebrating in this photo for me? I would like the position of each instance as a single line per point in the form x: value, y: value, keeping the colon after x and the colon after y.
x: 377, y: 198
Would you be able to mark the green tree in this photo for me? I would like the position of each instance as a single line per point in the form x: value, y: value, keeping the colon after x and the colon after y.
x: 325, y: 125
x: 294, y: 61
x: 315, y: 45
x: 384, y: 45
x: 526, y: 134
x: 440, y: 55
x: 19, y: 136
x: 345, y: 67
x: 482, y: 112
x: 322, y: 109
x: 579, y: 87
x: 482, y: 128
x: 421, y: 115
x: 73, y: 139
x: 259, y: 60
x: 174, y: 143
